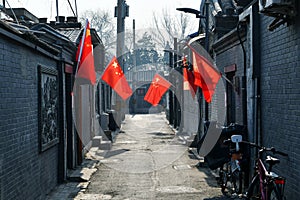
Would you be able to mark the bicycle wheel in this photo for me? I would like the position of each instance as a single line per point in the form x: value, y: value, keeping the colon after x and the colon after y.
x: 237, y: 182
x: 253, y: 189
x: 274, y: 193
x: 273, y: 196
x: 223, y: 173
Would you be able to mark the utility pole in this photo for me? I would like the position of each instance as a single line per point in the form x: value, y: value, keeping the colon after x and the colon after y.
x: 121, y: 12
x: 134, y: 56
x: 134, y: 73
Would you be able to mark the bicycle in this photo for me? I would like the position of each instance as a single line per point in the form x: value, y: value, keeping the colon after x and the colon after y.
x: 231, y: 175
x: 265, y: 184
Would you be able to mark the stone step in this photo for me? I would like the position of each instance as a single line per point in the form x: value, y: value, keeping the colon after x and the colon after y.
x: 96, y: 142
x: 105, y: 145
x: 83, y: 172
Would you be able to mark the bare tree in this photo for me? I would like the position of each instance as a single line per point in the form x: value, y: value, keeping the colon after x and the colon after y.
x: 168, y: 27
x: 128, y: 40
x: 102, y: 22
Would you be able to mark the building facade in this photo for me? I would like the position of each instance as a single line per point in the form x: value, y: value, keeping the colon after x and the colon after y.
x: 29, y: 156
x: 39, y: 139
x: 255, y: 45
x: 261, y: 58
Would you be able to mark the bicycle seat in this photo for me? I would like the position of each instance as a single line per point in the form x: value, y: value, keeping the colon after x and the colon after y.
x: 272, y: 161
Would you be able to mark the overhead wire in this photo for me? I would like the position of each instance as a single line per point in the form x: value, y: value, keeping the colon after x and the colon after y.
x: 12, y: 12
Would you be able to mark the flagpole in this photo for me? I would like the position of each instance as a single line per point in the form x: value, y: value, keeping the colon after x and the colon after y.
x: 81, y: 46
x: 78, y: 95
x: 78, y: 62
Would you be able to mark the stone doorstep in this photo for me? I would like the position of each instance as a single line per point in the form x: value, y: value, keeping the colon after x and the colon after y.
x: 101, y: 143
x: 81, y: 175
x: 96, y: 142
x: 84, y: 172
x: 105, y: 145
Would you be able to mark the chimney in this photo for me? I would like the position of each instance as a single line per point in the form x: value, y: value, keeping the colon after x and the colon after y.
x: 71, y: 19
x: 43, y: 20
x: 60, y: 19
x: 52, y: 23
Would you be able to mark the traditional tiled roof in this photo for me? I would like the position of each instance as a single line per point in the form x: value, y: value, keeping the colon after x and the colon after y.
x: 26, y: 34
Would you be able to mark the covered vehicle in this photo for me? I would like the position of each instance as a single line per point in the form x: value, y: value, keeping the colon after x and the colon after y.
x: 219, y: 154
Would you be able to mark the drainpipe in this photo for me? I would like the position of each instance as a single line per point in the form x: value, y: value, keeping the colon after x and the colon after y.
x: 244, y: 100
x: 244, y: 79
x: 256, y: 72
x: 62, y: 167
x: 244, y: 90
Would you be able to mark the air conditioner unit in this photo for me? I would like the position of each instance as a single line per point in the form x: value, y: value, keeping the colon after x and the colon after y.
x: 274, y: 7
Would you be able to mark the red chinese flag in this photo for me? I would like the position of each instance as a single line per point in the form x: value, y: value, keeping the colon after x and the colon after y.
x: 189, y: 81
x: 114, y: 76
x: 85, y: 58
x: 157, y: 89
x: 206, y: 75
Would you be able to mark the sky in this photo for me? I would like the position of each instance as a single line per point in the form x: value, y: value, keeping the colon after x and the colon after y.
x: 140, y: 10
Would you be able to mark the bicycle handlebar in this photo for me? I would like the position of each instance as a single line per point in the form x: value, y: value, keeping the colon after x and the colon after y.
x: 264, y: 149
x: 280, y: 153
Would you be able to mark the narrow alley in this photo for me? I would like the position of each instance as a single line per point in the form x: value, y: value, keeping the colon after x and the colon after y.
x: 147, y: 161
x: 127, y: 100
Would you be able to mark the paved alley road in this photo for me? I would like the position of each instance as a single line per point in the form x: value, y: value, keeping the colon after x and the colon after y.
x: 147, y: 161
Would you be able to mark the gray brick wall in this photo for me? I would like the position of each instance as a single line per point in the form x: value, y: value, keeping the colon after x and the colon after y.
x: 24, y: 172
x: 280, y: 86
x: 280, y: 94
x: 233, y: 55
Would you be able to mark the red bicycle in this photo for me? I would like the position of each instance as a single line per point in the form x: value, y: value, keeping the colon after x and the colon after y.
x: 265, y: 184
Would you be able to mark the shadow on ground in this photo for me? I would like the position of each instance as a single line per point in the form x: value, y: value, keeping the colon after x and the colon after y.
x: 115, y: 152
x: 218, y: 198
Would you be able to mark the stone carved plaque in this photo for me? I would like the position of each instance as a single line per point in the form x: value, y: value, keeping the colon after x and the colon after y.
x: 48, y: 108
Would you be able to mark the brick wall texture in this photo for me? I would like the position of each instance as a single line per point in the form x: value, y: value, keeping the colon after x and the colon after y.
x: 230, y: 56
x: 280, y: 88
x: 280, y: 94
x: 25, y: 173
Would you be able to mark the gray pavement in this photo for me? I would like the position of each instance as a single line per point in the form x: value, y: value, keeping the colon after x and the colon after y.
x: 147, y: 161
